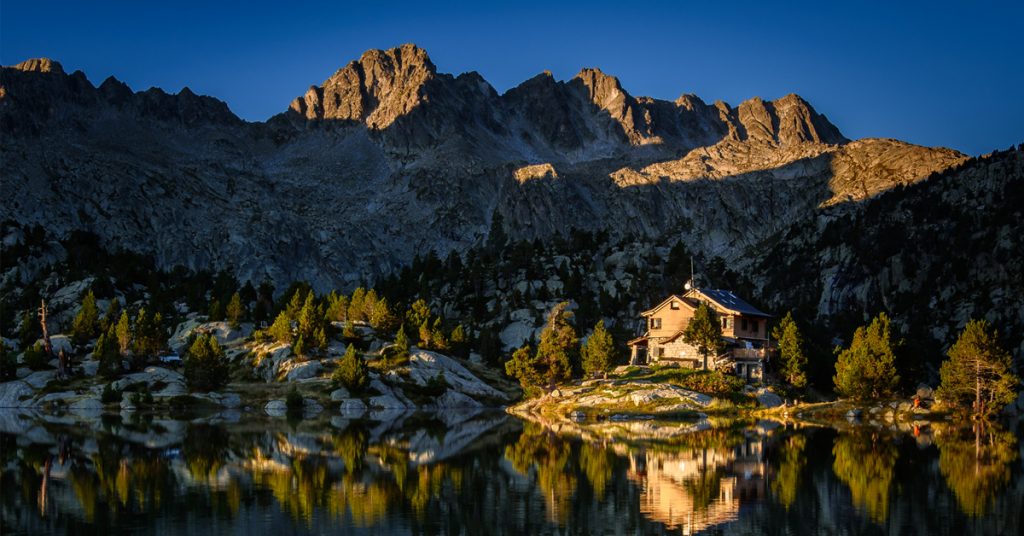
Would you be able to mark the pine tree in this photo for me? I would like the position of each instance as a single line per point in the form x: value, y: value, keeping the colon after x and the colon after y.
x: 206, y: 369
x: 281, y: 329
x: 458, y: 341
x: 124, y: 334
x: 308, y: 319
x: 235, y: 311
x: 867, y: 369
x: 382, y: 318
x: 599, y: 351
x: 106, y: 352
x: 399, y: 352
x: 978, y: 373
x: 705, y: 332
x: 349, y: 332
x: 558, y: 346
x: 320, y: 339
x: 111, y: 316
x: 149, y: 336
x: 216, y: 313
x: 792, y: 357
x: 437, y: 338
x: 337, y: 309
x: 299, y: 348
x: 295, y: 304
x: 419, y: 312
x: 356, y: 305
x: 28, y: 329
x: 424, y: 333
x: 523, y: 366
x: 86, y: 325
x: 352, y: 372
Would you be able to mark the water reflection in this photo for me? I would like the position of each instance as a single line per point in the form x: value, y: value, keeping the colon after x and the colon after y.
x: 491, y: 473
x: 976, y: 464
x: 865, y: 460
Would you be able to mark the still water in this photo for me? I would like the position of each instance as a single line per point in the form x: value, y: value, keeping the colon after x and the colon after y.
x: 488, y: 473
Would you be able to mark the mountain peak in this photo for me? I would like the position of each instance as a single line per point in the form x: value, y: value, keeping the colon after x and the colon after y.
x: 40, y: 65
x: 376, y: 89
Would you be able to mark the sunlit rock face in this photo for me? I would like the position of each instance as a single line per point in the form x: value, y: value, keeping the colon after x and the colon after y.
x: 388, y: 158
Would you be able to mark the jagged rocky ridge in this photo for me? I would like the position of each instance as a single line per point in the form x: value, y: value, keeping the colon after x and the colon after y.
x: 389, y: 158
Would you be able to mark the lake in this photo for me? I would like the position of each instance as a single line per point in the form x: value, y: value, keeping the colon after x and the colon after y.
x: 490, y: 473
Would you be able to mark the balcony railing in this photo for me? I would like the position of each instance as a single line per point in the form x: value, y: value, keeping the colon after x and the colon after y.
x: 749, y: 353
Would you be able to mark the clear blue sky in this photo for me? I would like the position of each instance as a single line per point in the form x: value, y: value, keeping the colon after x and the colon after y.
x: 933, y: 73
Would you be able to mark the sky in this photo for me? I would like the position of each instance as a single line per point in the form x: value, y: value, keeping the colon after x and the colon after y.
x: 933, y: 73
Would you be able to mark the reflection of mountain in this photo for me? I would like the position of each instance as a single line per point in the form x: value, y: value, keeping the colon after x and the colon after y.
x: 700, y: 488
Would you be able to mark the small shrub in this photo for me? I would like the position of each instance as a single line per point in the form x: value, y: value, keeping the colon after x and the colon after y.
x: 352, y: 372
x: 294, y: 402
x: 110, y: 395
x: 206, y: 368
x: 436, y: 386
x: 35, y: 357
x: 8, y: 363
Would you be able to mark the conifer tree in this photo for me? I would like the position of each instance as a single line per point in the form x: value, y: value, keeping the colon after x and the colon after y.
x: 399, y: 353
x: 419, y: 312
x: 705, y: 332
x: 867, y: 369
x: 149, y: 337
x: 281, y: 329
x: 424, y: 334
x: 558, y: 346
x: 523, y: 366
x: 106, y: 352
x: 124, y: 334
x: 356, y: 305
x: 320, y: 339
x: 437, y: 338
x: 206, y: 368
x: 235, y: 310
x: 458, y: 341
x: 978, y: 373
x: 87, y: 322
x: 349, y: 332
x: 216, y: 312
x: 111, y: 316
x: 792, y: 357
x: 299, y: 348
x: 309, y: 318
x: 337, y: 309
x: 599, y: 351
x: 28, y: 329
x: 352, y: 372
x: 295, y: 304
x: 382, y: 318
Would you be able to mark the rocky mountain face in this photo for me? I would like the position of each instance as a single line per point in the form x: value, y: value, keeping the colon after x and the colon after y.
x: 389, y: 158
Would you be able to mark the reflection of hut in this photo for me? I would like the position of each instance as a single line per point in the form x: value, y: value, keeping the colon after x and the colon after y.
x: 698, y: 489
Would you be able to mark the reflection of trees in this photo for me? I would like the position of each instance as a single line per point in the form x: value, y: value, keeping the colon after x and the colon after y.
x: 121, y: 477
x: 865, y: 463
x: 976, y: 464
x: 204, y: 449
x: 549, y: 456
x: 597, y: 463
x: 791, y: 463
x: 705, y: 487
